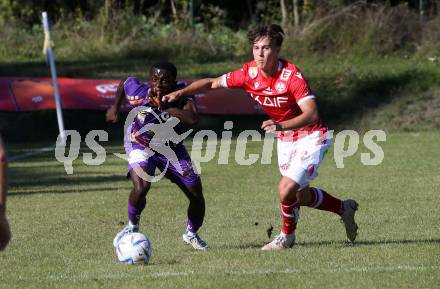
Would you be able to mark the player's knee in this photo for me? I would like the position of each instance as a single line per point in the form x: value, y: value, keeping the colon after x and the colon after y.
x: 197, y: 206
x: 192, y: 186
x: 287, y: 190
x: 300, y: 195
x: 283, y: 191
x: 200, y: 199
x: 196, y: 195
x: 285, y: 187
x: 142, y: 188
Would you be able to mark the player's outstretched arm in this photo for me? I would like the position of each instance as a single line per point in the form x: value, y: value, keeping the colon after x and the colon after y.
x: 188, y: 114
x: 195, y: 87
x: 308, y: 116
x: 5, y: 233
x: 112, y: 114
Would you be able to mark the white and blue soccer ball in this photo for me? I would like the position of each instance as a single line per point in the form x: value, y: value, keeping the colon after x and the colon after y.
x: 134, y: 248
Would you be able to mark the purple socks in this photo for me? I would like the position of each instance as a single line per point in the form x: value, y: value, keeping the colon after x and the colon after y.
x: 134, y: 213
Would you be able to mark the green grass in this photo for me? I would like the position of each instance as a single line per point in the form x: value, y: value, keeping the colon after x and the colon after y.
x: 63, y: 225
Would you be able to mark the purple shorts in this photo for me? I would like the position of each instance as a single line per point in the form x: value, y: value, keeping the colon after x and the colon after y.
x: 175, y: 163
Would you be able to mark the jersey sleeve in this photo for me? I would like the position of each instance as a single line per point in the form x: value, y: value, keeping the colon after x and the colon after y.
x: 236, y: 78
x: 135, y: 91
x: 300, y: 89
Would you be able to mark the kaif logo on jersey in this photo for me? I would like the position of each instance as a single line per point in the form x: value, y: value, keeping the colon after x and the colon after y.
x: 270, y: 101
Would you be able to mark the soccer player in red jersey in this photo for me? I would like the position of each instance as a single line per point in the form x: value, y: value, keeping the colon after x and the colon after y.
x: 5, y: 233
x: 283, y: 92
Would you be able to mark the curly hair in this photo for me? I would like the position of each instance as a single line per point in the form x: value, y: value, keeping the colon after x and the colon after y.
x: 273, y: 31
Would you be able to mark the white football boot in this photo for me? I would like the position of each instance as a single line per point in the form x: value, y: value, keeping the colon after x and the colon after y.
x: 347, y: 218
x: 127, y: 230
x: 280, y: 242
x: 194, y: 240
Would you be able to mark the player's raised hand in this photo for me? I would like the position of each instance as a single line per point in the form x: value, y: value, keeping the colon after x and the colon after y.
x: 112, y: 115
x: 5, y: 232
x: 270, y: 126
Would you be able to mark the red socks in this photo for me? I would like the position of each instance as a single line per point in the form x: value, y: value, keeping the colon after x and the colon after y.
x: 322, y: 200
x: 290, y: 210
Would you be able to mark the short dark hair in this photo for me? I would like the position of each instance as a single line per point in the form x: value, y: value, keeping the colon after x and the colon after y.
x: 166, y: 66
x: 273, y: 31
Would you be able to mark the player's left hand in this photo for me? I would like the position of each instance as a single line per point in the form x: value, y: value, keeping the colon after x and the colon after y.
x: 270, y: 126
x: 112, y: 115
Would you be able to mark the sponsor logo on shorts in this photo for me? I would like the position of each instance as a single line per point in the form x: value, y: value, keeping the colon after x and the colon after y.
x: 304, y: 155
x: 284, y: 167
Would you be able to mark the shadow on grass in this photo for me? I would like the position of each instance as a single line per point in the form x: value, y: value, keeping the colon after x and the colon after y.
x: 339, y: 243
x: 367, y: 243
x: 53, y: 180
x: 20, y: 178
x: 18, y: 192
x: 397, y: 242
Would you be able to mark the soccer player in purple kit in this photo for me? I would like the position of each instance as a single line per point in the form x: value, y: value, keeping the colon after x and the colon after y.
x: 148, y: 149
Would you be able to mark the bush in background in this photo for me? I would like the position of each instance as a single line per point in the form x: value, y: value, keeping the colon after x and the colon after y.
x: 365, y: 29
x: 356, y: 29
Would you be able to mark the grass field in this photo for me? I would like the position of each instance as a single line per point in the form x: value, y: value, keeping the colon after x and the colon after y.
x: 63, y: 225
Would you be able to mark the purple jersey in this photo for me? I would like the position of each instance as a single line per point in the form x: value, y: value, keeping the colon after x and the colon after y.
x: 148, y: 151
x: 137, y: 94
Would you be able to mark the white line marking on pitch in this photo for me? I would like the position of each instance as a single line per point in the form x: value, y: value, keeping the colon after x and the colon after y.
x: 31, y: 153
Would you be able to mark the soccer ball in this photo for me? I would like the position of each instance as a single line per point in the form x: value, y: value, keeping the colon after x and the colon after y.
x: 134, y: 248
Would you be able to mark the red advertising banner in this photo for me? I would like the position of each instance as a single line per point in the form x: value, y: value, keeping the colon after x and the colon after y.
x: 36, y: 93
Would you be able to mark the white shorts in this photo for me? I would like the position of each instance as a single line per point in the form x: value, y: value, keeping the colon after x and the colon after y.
x: 299, y: 160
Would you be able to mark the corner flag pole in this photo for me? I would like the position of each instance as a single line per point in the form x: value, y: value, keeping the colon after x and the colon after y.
x: 47, y: 50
